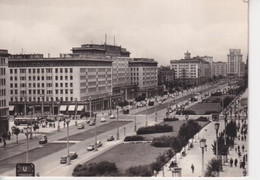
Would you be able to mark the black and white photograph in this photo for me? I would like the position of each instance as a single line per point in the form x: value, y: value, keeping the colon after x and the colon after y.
x: 124, y: 88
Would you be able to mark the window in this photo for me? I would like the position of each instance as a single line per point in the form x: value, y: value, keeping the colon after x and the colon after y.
x: 66, y: 70
x: 71, y: 91
x: 61, y: 70
x: 42, y: 78
x: 66, y: 91
x: 71, y: 70
x: 66, y: 85
x: 34, y: 71
x: 61, y: 91
x: 56, y: 91
x: 71, y: 84
x: 38, y: 78
x: 56, y: 84
x: 71, y: 77
x: 61, y: 84
x: 11, y: 71
x: 61, y: 78
x: 42, y: 84
x: 56, y: 70
x: 29, y: 70
x: 38, y: 71
x: 11, y: 78
x: 66, y: 78
x: 11, y: 91
x: 15, y: 71
x: 42, y: 70
x: 56, y: 78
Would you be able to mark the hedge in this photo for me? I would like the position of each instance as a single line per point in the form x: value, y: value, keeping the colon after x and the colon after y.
x: 170, y: 119
x: 203, y: 119
x: 154, y: 129
x: 133, y: 138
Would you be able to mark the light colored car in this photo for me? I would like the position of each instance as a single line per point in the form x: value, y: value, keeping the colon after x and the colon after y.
x: 99, y: 143
x: 92, y: 123
x: 111, y: 138
x: 90, y: 147
x: 112, y: 116
x: 103, y: 119
x: 81, y: 126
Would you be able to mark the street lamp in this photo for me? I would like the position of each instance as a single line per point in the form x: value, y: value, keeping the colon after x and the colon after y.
x: 95, y: 116
x: 155, y: 108
x: 202, y: 145
x: 42, y: 96
x: 117, y: 129
x: 89, y: 108
x: 135, y: 121
x: 146, y: 122
x: 68, y: 158
x: 217, y: 128
x: 225, y: 135
x: 27, y: 132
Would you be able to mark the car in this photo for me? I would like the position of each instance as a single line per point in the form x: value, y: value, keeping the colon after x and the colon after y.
x: 91, y: 123
x: 81, y: 126
x: 90, y: 147
x: 99, y: 143
x: 111, y: 138
x: 103, y: 119
x: 43, y: 139
x: 72, y: 156
x: 112, y: 116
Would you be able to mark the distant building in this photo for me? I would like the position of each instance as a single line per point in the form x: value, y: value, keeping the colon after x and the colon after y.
x: 4, y: 94
x: 165, y: 75
x: 219, y: 68
x: 234, y: 62
x: 191, y: 71
x: 210, y: 60
x: 143, y: 73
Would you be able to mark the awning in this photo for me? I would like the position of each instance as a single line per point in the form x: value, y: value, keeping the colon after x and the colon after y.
x: 80, y: 108
x: 72, y: 108
x: 11, y: 108
x: 63, y: 107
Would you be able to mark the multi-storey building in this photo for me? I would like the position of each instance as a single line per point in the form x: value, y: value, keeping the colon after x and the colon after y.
x: 120, y: 66
x: 210, y: 60
x: 143, y: 73
x: 191, y: 71
x: 4, y: 94
x: 165, y: 75
x: 40, y: 84
x: 234, y: 62
x: 219, y: 68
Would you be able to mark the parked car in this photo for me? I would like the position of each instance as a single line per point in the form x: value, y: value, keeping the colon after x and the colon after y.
x: 111, y: 138
x: 81, y: 126
x: 43, y: 139
x: 92, y: 123
x: 103, y: 119
x: 112, y: 116
x: 99, y: 143
x: 90, y: 147
x: 72, y: 156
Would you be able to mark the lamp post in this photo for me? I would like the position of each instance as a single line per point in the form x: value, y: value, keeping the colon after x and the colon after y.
x: 27, y: 132
x: 68, y: 158
x: 42, y: 96
x: 117, y: 129
x: 89, y: 108
x: 225, y: 134
x: 135, y: 122
x: 202, y: 145
x: 217, y: 128
x: 155, y: 109
x: 146, y: 122
x: 95, y: 118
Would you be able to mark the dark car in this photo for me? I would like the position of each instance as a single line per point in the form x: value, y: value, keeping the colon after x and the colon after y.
x: 43, y: 139
x: 72, y: 156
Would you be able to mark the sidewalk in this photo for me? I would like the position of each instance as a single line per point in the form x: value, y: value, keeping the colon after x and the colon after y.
x: 194, y: 155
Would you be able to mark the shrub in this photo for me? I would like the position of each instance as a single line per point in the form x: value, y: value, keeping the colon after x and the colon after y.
x: 170, y: 119
x: 210, y: 112
x: 163, y: 141
x: 154, y: 129
x: 134, y: 138
x: 202, y: 119
x: 103, y: 168
x: 188, y: 112
x: 213, y: 168
x: 216, y: 94
x: 142, y: 170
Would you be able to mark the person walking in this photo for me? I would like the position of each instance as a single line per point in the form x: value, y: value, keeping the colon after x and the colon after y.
x: 235, y: 163
x: 192, y: 168
x: 243, y: 148
x: 231, y: 162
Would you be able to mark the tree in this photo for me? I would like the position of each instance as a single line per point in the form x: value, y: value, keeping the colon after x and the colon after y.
x: 213, y: 168
x: 231, y: 130
x: 142, y: 170
x: 16, y: 132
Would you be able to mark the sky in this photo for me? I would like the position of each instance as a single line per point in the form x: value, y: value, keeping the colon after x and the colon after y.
x: 159, y: 29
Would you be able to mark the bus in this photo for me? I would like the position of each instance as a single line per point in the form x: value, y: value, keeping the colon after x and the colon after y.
x: 25, y: 120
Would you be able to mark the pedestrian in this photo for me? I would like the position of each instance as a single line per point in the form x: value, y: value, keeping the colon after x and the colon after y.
x: 231, y: 162
x: 192, y: 168
x: 240, y: 163
x: 235, y: 149
x: 244, y: 172
x: 64, y: 124
x: 205, y: 147
x: 245, y: 137
x: 238, y: 148
x: 53, y: 125
x: 242, y: 138
x: 235, y: 163
x: 243, y: 164
x: 243, y: 148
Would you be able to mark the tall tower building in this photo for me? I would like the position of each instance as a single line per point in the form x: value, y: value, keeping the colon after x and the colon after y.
x: 234, y: 62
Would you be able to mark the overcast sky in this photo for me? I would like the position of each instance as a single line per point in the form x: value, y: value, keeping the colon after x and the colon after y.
x: 159, y: 29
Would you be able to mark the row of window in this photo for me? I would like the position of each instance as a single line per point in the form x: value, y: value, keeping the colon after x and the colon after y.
x: 47, y: 99
x: 48, y: 70
x: 2, y: 71
x: 3, y: 103
x: 2, y: 61
x: 2, y: 82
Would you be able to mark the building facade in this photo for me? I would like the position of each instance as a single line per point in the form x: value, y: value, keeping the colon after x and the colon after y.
x: 219, y: 68
x: 143, y: 74
x: 40, y: 85
x: 191, y: 71
x: 234, y: 62
x: 209, y: 59
x: 165, y: 75
x: 4, y: 93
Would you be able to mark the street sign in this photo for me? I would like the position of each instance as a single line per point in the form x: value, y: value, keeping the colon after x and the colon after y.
x: 25, y: 169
